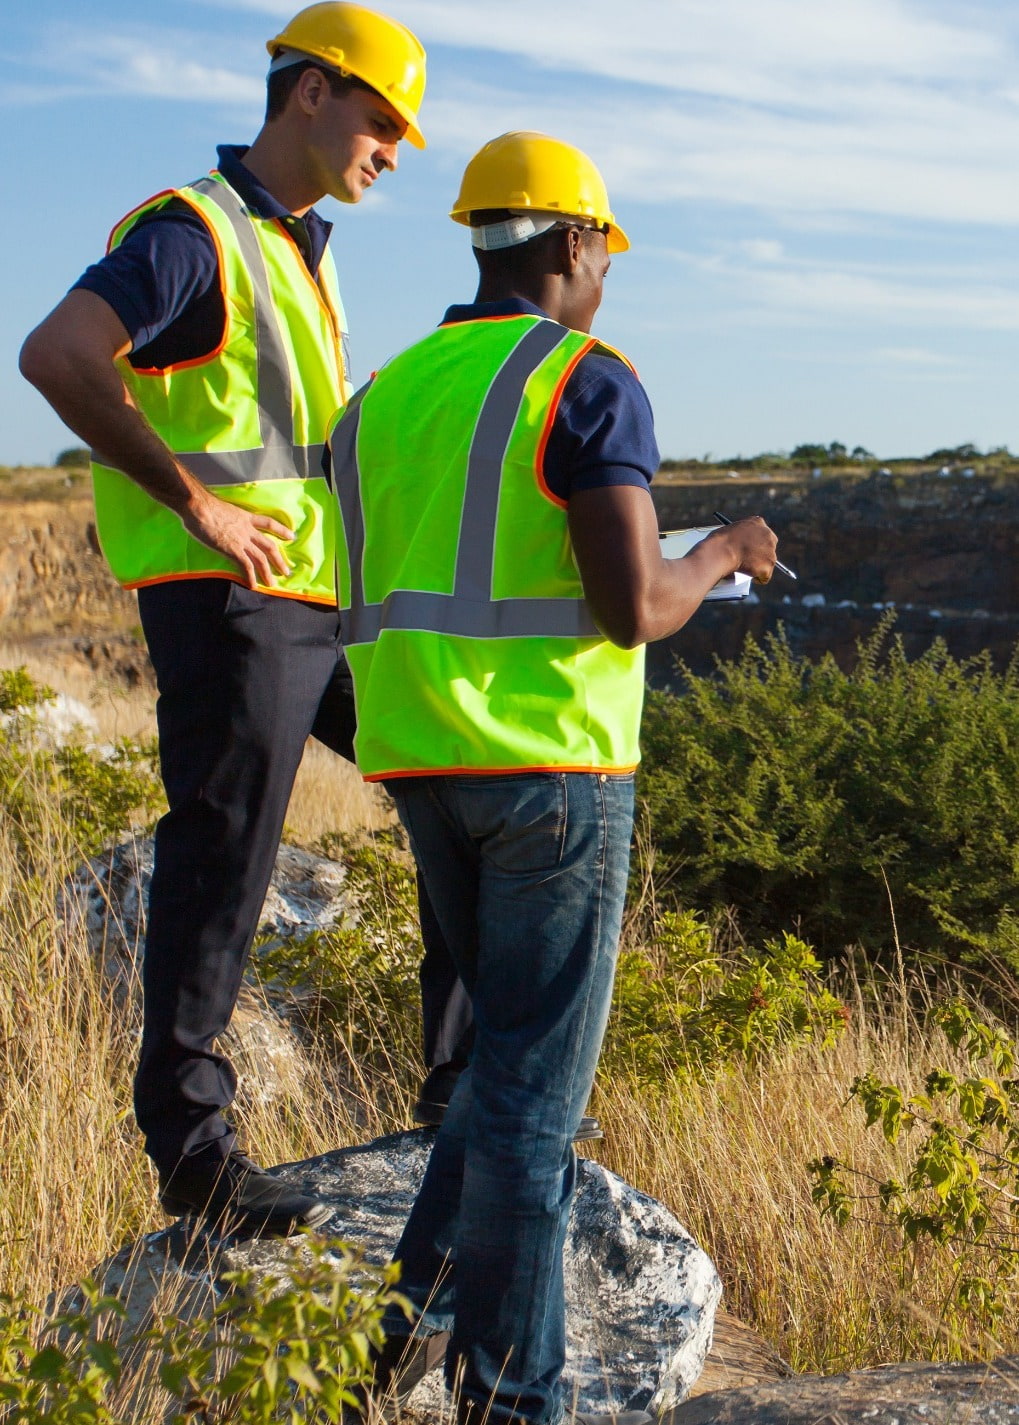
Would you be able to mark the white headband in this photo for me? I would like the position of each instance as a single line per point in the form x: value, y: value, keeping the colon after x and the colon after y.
x: 285, y: 58
x: 521, y: 227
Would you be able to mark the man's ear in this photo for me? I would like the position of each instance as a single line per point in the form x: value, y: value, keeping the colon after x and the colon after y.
x: 310, y: 89
x: 570, y: 248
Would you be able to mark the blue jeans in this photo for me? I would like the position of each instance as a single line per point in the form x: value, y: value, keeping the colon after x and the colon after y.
x: 527, y: 875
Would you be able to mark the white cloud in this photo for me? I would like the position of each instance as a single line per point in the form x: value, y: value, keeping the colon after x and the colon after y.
x: 898, y: 109
x: 154, y: 64
x: 812, y: 292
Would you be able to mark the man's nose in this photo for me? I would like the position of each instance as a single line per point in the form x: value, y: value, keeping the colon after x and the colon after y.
x: 385, y: 157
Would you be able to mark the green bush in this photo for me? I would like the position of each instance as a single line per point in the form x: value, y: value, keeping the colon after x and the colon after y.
x: 290, y: 1347
x: 359, y: 981
x: 76, y: 457
x: 686, y: 1009
x: 859, y: 807
x: 958, y: 1192
x: 87, y: 794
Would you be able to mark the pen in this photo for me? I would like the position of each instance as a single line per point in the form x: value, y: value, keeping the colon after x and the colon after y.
x: 724, y: 519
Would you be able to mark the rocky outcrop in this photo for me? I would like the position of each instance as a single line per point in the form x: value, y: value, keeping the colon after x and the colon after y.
x: 52, y: 574
x: 106, y: 898
x: 109, y: 893
x: 938, y: 550
x: 641, y: 1295
x: 915, y: 1393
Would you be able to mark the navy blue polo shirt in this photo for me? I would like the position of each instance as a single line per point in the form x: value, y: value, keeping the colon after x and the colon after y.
x: 604, y: 432
x: 163, y: 283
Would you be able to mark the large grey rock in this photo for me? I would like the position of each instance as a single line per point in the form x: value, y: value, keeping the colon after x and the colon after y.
x: 109, y: 893
x: 916, y: 1393
x: 106, y: 899
x: 641, y: 1295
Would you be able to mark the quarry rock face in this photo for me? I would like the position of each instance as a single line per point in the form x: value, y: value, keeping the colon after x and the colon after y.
x: 640, y: 1293
x: 915, y: 1393
x: 937, y: 550
x: 52, y: 574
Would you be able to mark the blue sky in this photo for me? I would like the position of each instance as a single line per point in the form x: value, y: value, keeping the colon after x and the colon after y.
x: 822, y: 198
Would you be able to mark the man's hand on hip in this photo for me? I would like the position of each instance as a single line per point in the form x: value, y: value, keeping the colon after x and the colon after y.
x: 250, y: 540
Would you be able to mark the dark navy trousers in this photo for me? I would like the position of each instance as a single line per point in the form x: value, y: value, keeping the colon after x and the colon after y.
x: 244, y: 679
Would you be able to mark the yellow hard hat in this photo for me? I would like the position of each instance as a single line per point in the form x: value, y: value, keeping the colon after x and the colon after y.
x: 371, y: 46
x: 526, y: 170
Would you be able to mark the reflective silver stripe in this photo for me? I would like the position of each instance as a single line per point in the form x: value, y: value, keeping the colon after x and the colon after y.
x: 475, y: 556
x: 470, y: 611
x: 275, y: 390
x: 445, y: 613
x: 347, y: 484
x: 243, y: 467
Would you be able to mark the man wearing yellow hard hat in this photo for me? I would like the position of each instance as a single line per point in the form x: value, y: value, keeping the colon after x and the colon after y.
x: 202, y: 360
x: 500, y: 571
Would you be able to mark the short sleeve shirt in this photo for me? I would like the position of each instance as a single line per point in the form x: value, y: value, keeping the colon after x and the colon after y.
x: 163, y: 281
x: 603, y: 432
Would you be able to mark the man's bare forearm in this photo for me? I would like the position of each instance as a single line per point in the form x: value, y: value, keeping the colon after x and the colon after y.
x: 636, y: 596
x: 85, y: 389
x: 70, y: 358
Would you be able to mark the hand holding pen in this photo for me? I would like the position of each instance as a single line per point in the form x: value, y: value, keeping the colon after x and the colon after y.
x: 724, y: 519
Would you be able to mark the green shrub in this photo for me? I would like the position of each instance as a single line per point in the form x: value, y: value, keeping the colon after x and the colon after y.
x: 359, y: 981
x: 291, y: 1347
x: 86, y: 794
x: 850, y: 805
x: 76, y: 457
x: 683, y: 1008
x: 958, y: 1192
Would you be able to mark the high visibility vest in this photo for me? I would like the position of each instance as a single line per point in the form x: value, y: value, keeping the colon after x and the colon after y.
x: 250, y: 419
x: 462, y: 610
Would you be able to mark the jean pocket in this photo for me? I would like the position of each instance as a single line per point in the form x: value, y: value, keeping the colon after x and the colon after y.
x: 524, y: 821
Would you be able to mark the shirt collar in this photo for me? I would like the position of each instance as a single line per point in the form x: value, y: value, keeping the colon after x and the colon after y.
x: 255, y: 196
x: 477, y: 311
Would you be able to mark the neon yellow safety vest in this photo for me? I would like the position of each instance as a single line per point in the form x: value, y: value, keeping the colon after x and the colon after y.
x: 462, y: 610
x: 250, y: 419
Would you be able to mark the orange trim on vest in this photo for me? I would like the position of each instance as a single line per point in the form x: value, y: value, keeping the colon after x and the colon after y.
x: 233, y: 579
x: 505, y: 317
x: 492, y: 771
x: 553, y: 407
x: 221, y: 273
x: 334, y: 320
x: 163, y: 193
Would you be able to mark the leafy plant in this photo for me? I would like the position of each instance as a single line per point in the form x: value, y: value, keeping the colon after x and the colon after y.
x: 289, y: 1348
x: 359, y: 981
x: 958, y: 1192
x: 847, y: 804
x: 88, y: 793
x: 684, y: 1009
x: 71, y: 1374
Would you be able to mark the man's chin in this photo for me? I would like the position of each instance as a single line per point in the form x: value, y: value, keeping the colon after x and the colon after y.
x: 346, y: 193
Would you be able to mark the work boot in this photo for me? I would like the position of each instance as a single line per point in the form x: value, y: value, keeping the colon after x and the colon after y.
x: 235, y: 1195
x: 437, y: 1090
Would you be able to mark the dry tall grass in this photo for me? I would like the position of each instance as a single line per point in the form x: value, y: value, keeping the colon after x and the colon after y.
x: 729, y: 1159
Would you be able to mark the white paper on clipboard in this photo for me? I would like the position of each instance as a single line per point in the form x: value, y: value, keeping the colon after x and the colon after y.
x: 677, y: 542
